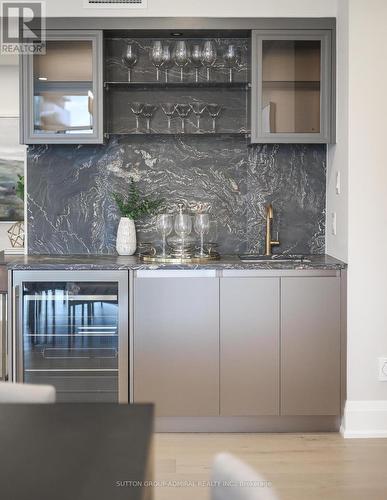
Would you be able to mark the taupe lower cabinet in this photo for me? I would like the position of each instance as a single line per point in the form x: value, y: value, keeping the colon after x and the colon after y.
x: 236, y: 346
x: 310, y: 346
x: 176, y: 342
x: 280, y: 346
x: 249, y: 346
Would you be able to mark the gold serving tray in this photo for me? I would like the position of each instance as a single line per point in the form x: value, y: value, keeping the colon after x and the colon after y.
x: 151, y: 259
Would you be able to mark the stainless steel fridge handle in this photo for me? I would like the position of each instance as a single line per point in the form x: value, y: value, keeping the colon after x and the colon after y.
x: 3, y: 337
x: 17, y: 341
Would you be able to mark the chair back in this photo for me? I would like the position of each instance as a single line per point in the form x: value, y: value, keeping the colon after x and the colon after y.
x: 26, y: 393
x: 232, y: 479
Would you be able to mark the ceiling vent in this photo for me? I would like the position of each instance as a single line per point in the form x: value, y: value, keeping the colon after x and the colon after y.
x: 115, y: 4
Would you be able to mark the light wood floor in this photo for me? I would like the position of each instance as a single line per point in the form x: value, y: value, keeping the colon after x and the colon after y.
x: 301, y: 466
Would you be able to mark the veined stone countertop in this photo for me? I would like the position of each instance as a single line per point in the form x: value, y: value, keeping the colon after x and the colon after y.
x: 117, y: 262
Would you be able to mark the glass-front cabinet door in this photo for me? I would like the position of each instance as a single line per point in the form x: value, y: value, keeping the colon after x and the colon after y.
x: 62, y: 90
x: 71, y: 331
x: 292, y: 85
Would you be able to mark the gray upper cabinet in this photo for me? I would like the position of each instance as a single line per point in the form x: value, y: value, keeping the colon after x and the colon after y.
x: 310, y: 346
x: 62, y: 91
x: 249, y: 346
x: 292, y: 86
x: 176, y: 343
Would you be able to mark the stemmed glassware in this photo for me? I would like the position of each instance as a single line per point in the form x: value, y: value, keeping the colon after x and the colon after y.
x: 183, y: 110
x: 196, y: 59
x: 214, y: 110
x: 148, y: 110
x: 137, y: 108
x: 202, y: 226
x: 231, y: 58
x: 181, y: 56
x: 164, y: 226
x: 198, y: 109
x: 167, y: 60
x: 169, y: 110
x: 209, y: 55
x: 183, y: 225
x: 130, y: 58
x: 157, y: 57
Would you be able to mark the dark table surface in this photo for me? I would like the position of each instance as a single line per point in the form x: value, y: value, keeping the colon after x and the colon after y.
x: 75, y: 451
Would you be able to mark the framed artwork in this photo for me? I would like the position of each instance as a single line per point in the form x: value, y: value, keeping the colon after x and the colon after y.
x: 12, y: 161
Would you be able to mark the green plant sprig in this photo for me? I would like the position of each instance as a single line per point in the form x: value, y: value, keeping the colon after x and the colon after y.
x: 133, y: 206
x: 19, y: 191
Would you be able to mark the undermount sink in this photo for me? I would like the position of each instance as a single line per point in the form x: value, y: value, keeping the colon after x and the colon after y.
x: 272, y: 258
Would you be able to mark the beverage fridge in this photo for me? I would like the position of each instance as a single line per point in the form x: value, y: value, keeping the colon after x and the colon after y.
x: 70, y: 329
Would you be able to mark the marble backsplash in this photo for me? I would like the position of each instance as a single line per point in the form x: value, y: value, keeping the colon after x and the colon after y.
x: 71, y: 209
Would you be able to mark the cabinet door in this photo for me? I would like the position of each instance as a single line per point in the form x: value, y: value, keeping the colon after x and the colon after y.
x: 249, y: 346
x: 61, y: 100
x: 310, y: 346
x: 176, y: 345
x: 291, y: 86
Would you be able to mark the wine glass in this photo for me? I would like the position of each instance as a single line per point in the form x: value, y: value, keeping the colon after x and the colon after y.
x: 181, y: 56
x: 202, y: 226
x: 164, y: 226
x: 209, y: 56
x: 169, y: 110
x: 167, y: 60
x: 214, y: 110
x: 196, y: 59
x: 183, y: 110
x: 157, y: 57
x: 183, y: 225
x: 148, y: 110
x: 130, y: 58
x: 198, y: 109
x: 137, y: 108
x: 231, y: 58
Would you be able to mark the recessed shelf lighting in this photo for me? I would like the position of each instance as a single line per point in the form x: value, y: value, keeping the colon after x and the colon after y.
x: 176, y: 33
x: 42, y: 78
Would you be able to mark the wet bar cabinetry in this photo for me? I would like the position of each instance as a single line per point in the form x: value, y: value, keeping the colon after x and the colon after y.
x: 71, y: 331
x: 234, y: 345
x: 279, y: 88
x: 246, y: 344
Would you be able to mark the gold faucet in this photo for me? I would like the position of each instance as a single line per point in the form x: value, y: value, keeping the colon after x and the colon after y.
x: 269, y: 242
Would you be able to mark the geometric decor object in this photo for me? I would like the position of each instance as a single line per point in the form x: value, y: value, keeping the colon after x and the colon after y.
x: 16, y: 235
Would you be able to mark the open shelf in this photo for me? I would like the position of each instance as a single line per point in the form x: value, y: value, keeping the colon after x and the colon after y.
x: 62, y: 86
x: 179, y: 85
x: 177, y: 134
x: 292, y: 84
x: 233, y: 97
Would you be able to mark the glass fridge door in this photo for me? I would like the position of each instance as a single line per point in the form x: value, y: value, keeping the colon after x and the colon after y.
x: 71, y: 338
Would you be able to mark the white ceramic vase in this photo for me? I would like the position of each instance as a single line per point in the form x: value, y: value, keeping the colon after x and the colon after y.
x: 126, y: 237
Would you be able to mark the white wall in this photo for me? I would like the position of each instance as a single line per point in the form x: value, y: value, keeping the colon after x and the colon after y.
x: 337, y: 245
x: 9, y: 106
x: 366, y: 411
x: 367, y: 229
x: 9, y: 90
x: 203, y: 8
